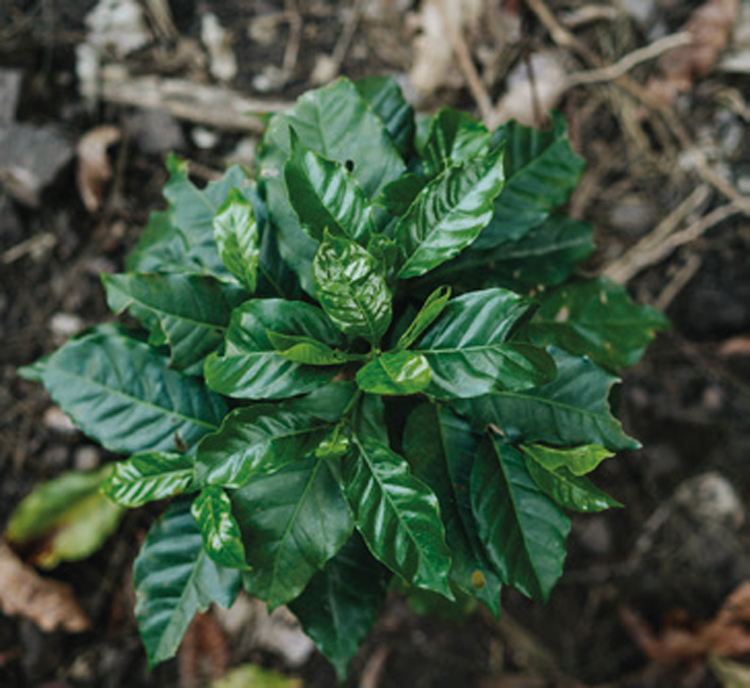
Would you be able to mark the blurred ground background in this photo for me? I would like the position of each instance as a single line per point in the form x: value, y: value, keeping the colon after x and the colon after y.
x: 92, y: 97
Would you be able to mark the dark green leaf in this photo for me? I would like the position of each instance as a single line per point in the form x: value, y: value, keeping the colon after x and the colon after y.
x: 541, y: 171
x: 523, y: 532
x: 325, y: 195
x: 188, y: 312
x: 352, y: 289
x: 251, y: 368
x: 384, y: 96
x: 193, y: 212
x: 573, y: 409
x: 395, y: 372
x: 578, y: 460
x: 440, y: 448
x: 147, y: 477
x: 341, y: 603
x: 337, y: 443
x: 174, y: 579
x: 328, y: 402
x: 431, y: 309
x: 448, y: 214
x: 66, y: 518
x: 161, y: 247
x: 222, y: 540
x: 122, y: 394
x: 468, y: 352
x: 237, y: 237
x: 454, y: 136
x: 399, y: 194
x: 568, y: 490
x: 292, y: 521
x: 275, y: 277
x: 309, y: 351
x: 596, y: 318
x: 397, y: 515
x: 256, y: 439
x: 546, y: 255
x: 337, y: 123
x: 368, y: 418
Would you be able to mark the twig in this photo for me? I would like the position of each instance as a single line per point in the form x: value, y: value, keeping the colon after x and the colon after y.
x: 478, y: 91
x: 679, y: 281
x: 213, y: 106
x: 566, y: 39
x: 663, y: 249
x: 623, y: 66
x: 292, y: 47
x: 639, y: 256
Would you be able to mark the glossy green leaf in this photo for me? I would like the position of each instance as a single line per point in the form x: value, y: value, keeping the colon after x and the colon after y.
x: 122, y: 393
x: 188, y: 312
x: 174, y: 579
x: 309, y: 351
x: 399, y: 194
x: 448, y: 214
x: 440, y: 448
x: 237, y: 237
x: 568, y: 490
x: 147, y: 477
x: 256, y: 676
x: 384, y: 96
x: 341, y: 603
x: 395, y: 372
x: 336, y: 443
x: 453, y: 136
x: 337, y: 123
x: 193, y: 210
x: 276, y: 279
x: 325, y: 195
x: 546, y: 255
x: 368, y: 418
x: 352, y: 289
x: 541, y: 171
x: 328, y: 402
x: 578, y: 460
x: 68, y: 515
x: 431, y: 309
x: 160, y: 248
x: 256, y: 439
x: 222, y: 540
x: 250, y: 367
x: 397, y: 515
x: 468, y: 352
x: 596, y: 318
x: 523, y: 532
x: 572, y: 409
x: 292, y: 521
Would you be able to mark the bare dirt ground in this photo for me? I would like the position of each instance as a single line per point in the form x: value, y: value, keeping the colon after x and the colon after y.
x: 653, y: 594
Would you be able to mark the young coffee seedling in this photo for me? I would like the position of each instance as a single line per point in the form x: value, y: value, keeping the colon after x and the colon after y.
x: 372, y: 365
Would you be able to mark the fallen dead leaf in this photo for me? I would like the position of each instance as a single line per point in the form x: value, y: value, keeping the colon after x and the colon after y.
x: 48, y: 603
x: 684, y: 639
x: 711, y: 26
x: 94, y: 168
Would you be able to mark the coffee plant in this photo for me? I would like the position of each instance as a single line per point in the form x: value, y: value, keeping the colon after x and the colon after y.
x: 373, y: 364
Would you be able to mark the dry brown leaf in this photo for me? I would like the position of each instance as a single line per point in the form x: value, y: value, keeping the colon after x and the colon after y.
x: 204, y: 652
x: 711, y: 26
x: 48, y: 603
x: 683, y: 639
x: 94, y: 168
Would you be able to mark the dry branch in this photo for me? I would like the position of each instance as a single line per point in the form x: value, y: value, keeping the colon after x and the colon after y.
x: 213, y: 106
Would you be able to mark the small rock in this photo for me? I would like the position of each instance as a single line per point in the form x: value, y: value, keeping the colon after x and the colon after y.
x: 87, y: 458
x: 156, y: 132
x: 65, y: 325
x: 56, y: 420
x: 218, y: 41
x: 204, y: 138
x: 31, y: 158
x: 632, y: 215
